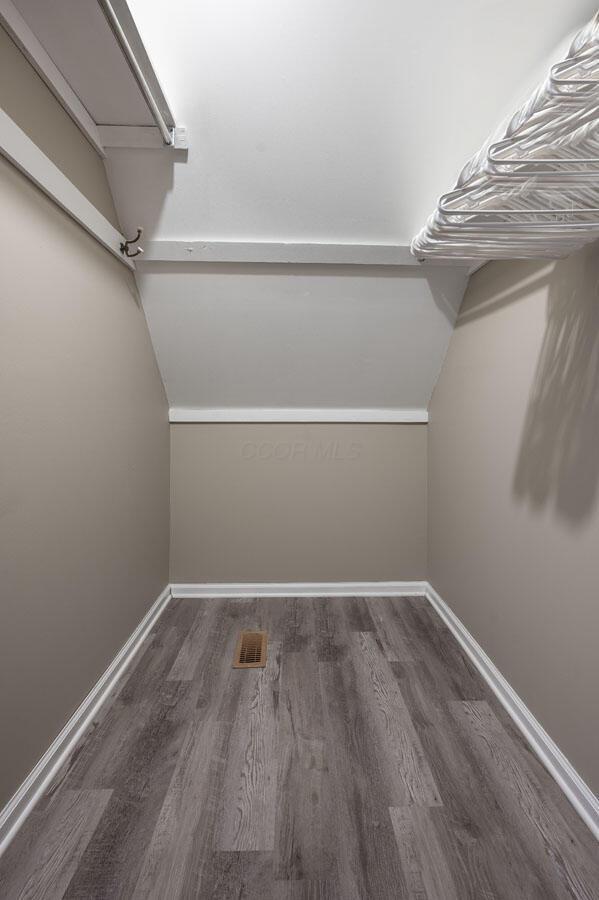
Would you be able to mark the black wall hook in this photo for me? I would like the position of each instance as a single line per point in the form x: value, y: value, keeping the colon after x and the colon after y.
x: 125, y: 245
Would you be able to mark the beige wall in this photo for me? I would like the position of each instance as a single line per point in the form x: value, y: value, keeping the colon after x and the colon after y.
x: 513, y: 485
x: 83, y: 467
x: 298, y: 502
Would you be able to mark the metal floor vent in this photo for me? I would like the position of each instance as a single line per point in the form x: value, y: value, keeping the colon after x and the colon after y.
x: 251, y: 650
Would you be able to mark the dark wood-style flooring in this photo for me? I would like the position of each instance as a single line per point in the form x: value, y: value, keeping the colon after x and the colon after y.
x: 367, y: 760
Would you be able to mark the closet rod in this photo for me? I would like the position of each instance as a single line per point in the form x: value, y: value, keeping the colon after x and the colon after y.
x: 23, y: 153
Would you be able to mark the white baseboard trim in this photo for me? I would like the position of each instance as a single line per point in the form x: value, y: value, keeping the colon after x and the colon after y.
x: 578, y: 793
x: 302, y: 589
x: 20, y: 805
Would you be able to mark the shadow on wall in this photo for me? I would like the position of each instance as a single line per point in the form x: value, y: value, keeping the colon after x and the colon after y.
x: 447, y: 285
x: 141, y: 180
x: 509, y: 283
x: 558, y: 460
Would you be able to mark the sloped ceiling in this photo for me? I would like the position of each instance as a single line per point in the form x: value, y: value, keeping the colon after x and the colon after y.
x: 310, y: 121
x: 335, y: 120
x: 299, y: 336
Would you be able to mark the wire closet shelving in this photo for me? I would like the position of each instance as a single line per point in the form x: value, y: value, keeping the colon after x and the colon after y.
x: 534, y: 192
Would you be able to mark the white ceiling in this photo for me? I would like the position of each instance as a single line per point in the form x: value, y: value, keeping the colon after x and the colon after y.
x: 309, y: 121
x: 332, y: 120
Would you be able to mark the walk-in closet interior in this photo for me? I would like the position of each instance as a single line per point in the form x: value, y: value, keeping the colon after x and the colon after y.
x: 299, y: 450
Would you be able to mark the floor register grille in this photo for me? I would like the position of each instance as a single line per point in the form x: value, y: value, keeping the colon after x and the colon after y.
x: 250, y: 652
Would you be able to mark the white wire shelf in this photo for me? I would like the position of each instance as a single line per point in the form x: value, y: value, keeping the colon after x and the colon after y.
x: 535, y: 191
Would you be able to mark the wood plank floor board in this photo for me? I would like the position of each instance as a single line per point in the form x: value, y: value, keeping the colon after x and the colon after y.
x: 186, y: 803
x: 299, y: 625
x: 367, y: 858
x: 574, y: 874
x: 354, y: 612
x: 183, y: 852
x: 152, y: 670
x: 122, y: 735
x: 426, y: 867
x: 273, y: 615
x: 305, y: 828
x: 231, y: 875
x: 448, y: 655
x: 405, y: 766
x: 551, y: 791
x: 289, y: 621
x: 215, y: 653
x: 331, y: 644
x: 140, y: 779
x: 334, y: 619
x: 220, y: 683
x: 392, y: 634
x: 179, y: 613
x: 433, y: 643
x: 247, y: 815
x: 367, y: 761
x: 207, y: 872
x: 234, y: 684
x: 104, y: 745
x: 306, y: 890
x: 194, y: 645
x: 178, y: 861
x: 172, y: 624
x: 186, y: 830
x: 54, y: 851
x: 493, y: 859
